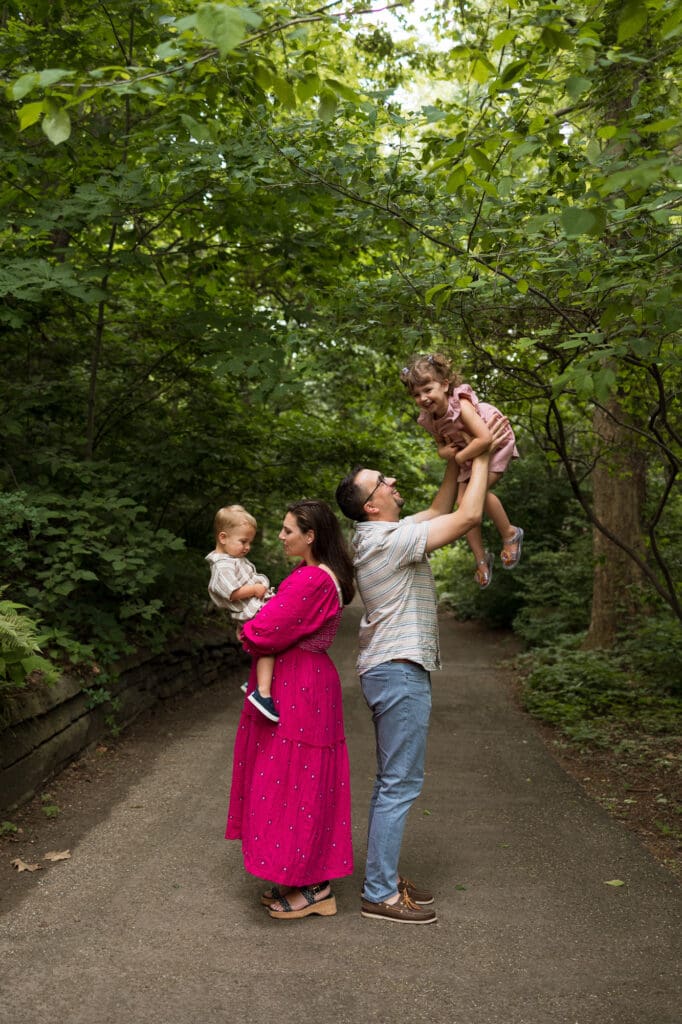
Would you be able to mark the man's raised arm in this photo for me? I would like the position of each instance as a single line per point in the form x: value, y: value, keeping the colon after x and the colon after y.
x: 445, y: 497
x: 445, y: 529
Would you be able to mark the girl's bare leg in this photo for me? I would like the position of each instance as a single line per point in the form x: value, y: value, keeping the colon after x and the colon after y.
x: 474, y: 536
x: 475, y: 541
x: 265, y: 666
x: 494, y: 509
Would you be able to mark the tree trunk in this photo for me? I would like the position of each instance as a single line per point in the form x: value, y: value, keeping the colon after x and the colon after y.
x: 619, y: 484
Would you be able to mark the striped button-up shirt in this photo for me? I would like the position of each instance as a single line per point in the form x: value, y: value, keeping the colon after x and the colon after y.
x: 397, y: 589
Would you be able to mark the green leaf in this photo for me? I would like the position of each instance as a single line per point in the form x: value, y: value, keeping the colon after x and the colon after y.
x: 481, y: 160
x: 308, y: 87
x: 529, y: 146
x: 522, y: 286
x: 197, y: 130
x: 576, y: 86
x: 513, y: 72
x: 615, y: 882
x: 57, y: 126
x: 642, y: 175
x: 604, y: 384
x: 507, y: 35
x: 34, y: 663
x: 284, y: 91
x: 672, y: 25
x: 327, y: 106
x: 482, y: 69
x: 23, y: 85
x: 225, y: 26
x: 659, y: 126
x: 538, y: 224
x: 505, y: 186
x: 169, y: 50
x: 64, y: 588
x: 435, y: 290
x: 610, y: 315
x: 555, y: 39
x: 344, y: 91
x: 433, y: 114
x: 487, y: 186
x: 52, y: 75
x: 579, y: 220
x: 29, y: 114
x: 263, y: 77
x: 632, y: 18
x: 86, y: 574
x: 456, y: 178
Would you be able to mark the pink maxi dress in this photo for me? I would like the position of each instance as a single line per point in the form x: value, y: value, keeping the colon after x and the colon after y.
x: 290, y: 801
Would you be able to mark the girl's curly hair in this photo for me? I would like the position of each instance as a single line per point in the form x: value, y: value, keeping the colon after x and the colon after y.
x: 423, y: 368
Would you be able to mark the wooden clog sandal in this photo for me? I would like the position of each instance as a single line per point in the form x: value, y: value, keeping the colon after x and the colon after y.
x: 325, y: 907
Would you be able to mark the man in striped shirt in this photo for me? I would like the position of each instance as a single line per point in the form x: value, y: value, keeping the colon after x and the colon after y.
x: 398, y: 649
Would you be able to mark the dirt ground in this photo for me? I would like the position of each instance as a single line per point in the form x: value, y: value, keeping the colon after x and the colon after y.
x: 640, y: 787
x: 639, y: 782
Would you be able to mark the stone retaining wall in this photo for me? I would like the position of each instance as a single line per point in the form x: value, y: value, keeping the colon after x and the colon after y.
x: 48, y: 727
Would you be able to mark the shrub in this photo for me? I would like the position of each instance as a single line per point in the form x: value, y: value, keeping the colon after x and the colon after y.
x: 92, y: 567
x: 556, y: 590
x: 653, y: 648
x: 587, y: 693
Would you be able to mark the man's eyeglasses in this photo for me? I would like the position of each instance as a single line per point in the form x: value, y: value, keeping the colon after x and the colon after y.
x: 380, y: 481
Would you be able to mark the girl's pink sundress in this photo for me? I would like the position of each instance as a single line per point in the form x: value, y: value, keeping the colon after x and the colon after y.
x: 449, y: 427
x: 290, y: 801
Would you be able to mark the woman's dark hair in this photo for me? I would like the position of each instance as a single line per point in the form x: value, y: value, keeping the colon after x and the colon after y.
x: 328, y: 546
x: 349, y: 497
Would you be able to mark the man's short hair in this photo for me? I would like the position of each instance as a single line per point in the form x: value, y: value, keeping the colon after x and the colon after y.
x: 349, y: 497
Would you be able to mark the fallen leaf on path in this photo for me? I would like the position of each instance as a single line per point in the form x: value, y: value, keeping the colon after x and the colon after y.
x: 614, y: 882
x: 57, y: 855
x: 21, y: 865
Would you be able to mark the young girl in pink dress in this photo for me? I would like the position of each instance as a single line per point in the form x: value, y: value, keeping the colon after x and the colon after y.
x: 452, y: 413
x: 290, y: 797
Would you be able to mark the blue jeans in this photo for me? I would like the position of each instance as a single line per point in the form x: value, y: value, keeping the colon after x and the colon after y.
x: 399, y: 697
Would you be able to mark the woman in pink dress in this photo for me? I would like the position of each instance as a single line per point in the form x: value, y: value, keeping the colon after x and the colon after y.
x: 290, y: 797
x: 460, y: 424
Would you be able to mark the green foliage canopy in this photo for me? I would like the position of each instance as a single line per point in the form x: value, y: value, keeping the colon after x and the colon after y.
x: 223, y: 235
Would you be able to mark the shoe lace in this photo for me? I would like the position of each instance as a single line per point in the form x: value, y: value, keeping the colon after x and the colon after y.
x: 409, y: 902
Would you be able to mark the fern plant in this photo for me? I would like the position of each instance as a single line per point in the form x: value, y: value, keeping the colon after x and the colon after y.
x: 20, y: 647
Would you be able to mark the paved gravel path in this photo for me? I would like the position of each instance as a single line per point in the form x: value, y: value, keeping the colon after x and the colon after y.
x: 153, y: 920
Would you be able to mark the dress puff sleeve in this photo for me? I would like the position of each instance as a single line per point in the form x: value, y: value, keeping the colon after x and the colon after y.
x: 462, y: 391
x: 304, y: 602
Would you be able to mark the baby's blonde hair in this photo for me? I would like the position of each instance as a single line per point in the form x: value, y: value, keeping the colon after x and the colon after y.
x: 423, y: 368
x: 230, y: 517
